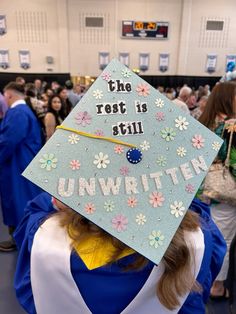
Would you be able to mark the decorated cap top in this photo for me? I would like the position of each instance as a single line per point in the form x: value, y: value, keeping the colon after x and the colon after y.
x: 127, y: 159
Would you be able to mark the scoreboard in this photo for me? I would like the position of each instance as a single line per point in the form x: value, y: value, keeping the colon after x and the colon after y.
x: 145, y: 30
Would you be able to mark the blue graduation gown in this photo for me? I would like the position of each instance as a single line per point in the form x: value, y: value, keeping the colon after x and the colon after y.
x: 19, y: 142
x: 110, y: 290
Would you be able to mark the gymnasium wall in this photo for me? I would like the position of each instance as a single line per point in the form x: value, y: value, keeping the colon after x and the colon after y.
x: 56, y: 28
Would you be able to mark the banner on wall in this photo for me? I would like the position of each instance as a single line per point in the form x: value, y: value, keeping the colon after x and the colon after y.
x: 211, y: 63
x: 229, y: 59
x: 4, y: 59
x: 24, y: 56
x: 124, y: 58
x: 3, y: 27
x: 143, y: 61
x: 163, y: 62
x: 103, y: 60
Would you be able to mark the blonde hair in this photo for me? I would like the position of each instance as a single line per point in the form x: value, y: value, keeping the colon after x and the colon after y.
x: 177, y: 278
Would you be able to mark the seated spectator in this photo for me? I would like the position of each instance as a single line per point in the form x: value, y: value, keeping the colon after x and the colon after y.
x: 196, y: 113
x: 192, y: 102
x: 181, y: 100
x: 169, y: 92
x: 38, y: 88
x: 66, y: 104
x: 20, y: 80
x: 54, y: 86
x: 72, y: 96
x: 37, y: 106
x: 54, y: 115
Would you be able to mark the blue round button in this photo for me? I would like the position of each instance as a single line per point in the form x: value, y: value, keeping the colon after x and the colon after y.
x: 134, y: 155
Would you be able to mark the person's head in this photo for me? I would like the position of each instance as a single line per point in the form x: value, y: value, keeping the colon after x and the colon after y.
x: 13, y: 92
x: 29, y: 90
x: 44, y: 98
x: 202, y: 103
x: 54, y: 104
x: 49, y: 92
x: 177, y: 278
x: 38, y: 84
x: 184, y: 93
x: 221, y: 103
x: 77, y: 89
x: 161, y: 89
x: 62, y: 92
x: 191, y: 101
x: 207, y: 87
x: 54, y: 85
x: 69, y: 85
x: 20, y: 80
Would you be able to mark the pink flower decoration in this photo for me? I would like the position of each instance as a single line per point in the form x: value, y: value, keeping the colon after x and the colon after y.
x: 118, y: 149
x: 119, y: 222
x: 124, y: 171
x: 75, y: 164
x: 89, y: 208
x: 143, y: 89
x: 189, y: 188
x: 99, y: 133
x: 156, y: 199
x: 132, y: 201
x: 106, y: 76
x: 160, y: 116
x: 198, y: 141
x: 83, y: 118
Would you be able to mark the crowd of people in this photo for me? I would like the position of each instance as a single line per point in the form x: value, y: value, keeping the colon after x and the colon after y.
x: 29, y: 115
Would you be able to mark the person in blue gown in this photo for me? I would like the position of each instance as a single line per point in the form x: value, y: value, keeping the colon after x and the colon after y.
x: 109, y: 283
x: 19, y: 142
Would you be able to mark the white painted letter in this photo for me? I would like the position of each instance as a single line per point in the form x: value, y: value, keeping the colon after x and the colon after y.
x: 145, y: 182
x: 199, y: 164
x: 70, y: 187
x: 89, y: 187
x: 186, y: 171
x: 156, y: 176
x: 110, y: 186
x: 172, y: 173
x: 130, y: 185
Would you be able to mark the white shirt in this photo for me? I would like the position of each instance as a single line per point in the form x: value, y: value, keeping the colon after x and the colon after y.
x: 18, y: 102
x: 182, y: 105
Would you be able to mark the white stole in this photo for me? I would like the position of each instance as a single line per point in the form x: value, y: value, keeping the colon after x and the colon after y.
x: 55, y: 291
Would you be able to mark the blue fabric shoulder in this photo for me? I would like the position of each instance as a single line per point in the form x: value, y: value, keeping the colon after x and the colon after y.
x: 215, y: 249
x: 36, y: 212
x: 219, y: 244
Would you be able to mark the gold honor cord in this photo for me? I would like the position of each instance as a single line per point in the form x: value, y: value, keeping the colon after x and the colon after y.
x: 109, y: 139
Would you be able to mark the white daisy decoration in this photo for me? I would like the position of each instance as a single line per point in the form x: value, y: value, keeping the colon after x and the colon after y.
x: 141, y: 219
x: 159, y: 102
x: 126, y: 73
x: 156, y: 238
x: 101, y: 160
x: 98, y: 94
x: 181, y: 151
x: 216, y: 146
x: 73, y: 139
x: 177, y: 209
x: 145, y: 145
x: 109, y: 206
x: 48, y: 162
x: 181, y: 123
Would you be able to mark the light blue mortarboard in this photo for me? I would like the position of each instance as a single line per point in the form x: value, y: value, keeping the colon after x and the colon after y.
x: 133, y: 163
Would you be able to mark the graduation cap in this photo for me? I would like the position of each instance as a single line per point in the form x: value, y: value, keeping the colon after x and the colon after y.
x: 127, y: 159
